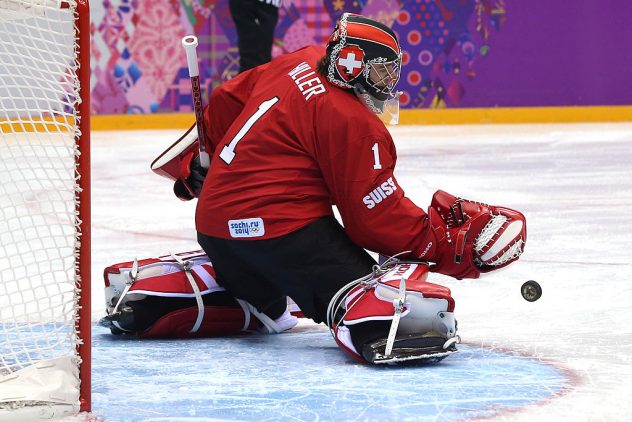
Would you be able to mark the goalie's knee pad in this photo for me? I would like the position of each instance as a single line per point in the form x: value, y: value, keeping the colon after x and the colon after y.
x: 394, y: 315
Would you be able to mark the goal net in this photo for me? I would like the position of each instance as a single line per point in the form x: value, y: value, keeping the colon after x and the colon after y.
x: 44, y: 208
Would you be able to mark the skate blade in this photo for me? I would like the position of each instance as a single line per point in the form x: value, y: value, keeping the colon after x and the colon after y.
x: 395, y: 358
x: 411, y: 348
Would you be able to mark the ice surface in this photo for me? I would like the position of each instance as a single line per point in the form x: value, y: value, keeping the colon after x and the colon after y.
x: 302, y: 375
x: 572, y: 181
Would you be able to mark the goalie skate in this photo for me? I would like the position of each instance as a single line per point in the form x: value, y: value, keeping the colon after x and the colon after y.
x: 123, y: 317
x: 415, y: 348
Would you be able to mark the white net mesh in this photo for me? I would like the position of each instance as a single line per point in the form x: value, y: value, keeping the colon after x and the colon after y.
x: 39, y: 94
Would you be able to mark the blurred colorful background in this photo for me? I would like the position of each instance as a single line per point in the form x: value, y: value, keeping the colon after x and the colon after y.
x: 458, y: 54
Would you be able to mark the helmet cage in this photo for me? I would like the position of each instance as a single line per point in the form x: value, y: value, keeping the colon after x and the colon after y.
x: 388, y: 73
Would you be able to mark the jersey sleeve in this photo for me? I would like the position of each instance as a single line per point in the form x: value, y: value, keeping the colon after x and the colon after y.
x: 375, y: 211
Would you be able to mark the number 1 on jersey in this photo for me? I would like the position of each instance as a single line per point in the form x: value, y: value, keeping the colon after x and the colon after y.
x: 228, y: 152
x: 376, y: 156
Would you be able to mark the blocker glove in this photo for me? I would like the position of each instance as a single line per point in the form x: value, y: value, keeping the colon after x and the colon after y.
x: 192, y: 175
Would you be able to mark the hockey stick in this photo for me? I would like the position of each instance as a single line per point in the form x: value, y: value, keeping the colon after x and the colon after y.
x: 190, y: 42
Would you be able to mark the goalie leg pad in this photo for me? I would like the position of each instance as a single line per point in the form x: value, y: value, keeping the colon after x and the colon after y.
x: 171, y: 317
x: 217, y: 321
x: 178, y: 296
x: 395, y: 316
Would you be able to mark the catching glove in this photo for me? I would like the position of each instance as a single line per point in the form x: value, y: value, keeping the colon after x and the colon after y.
x: 473, y: 238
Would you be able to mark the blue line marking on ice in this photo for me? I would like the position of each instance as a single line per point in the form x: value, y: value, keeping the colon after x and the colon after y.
x: 302, y: 376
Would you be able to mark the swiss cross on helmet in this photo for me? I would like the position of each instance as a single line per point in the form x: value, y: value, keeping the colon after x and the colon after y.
x: 365, y: 56
x: 350, y: 62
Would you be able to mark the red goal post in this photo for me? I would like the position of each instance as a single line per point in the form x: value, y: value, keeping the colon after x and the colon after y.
x: 45, y: 317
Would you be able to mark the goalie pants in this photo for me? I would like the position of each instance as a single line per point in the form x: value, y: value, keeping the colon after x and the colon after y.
x: 310, y: 265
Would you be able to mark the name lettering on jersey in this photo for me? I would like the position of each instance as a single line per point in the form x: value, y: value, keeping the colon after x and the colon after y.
x: 380, y: 193
x: 305, y: 78
x: 248, y: 227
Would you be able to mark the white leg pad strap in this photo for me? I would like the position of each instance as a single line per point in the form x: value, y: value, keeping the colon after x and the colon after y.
x: 271, y: 326
x: 187, y: 266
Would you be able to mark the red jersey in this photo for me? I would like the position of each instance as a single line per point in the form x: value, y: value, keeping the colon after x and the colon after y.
x: 287, y: 144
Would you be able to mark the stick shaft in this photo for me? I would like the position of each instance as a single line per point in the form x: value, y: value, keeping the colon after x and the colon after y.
x: 190, y: 44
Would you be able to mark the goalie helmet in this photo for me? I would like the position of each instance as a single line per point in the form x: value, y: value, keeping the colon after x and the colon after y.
x: 364, y: 56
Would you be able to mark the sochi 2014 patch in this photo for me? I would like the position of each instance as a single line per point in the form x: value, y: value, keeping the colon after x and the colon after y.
x: 248, y: 227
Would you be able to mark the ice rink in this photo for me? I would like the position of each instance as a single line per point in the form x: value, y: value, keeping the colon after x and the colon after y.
x: 567, y: 356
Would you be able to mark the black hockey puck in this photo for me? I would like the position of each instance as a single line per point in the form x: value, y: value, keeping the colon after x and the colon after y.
x: 531, y: 291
